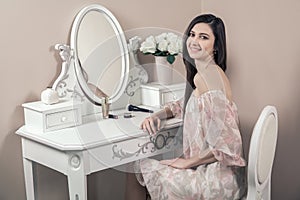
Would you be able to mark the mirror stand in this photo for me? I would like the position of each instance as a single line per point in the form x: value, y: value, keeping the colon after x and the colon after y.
x: 133, y: 46
x: 65, y: 84
x: 68, y: 89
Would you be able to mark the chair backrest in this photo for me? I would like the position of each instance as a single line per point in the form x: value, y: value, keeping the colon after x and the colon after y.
x: 261, y: 154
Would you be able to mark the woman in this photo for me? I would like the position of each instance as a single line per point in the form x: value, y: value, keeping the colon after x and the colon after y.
x: 212, y: 166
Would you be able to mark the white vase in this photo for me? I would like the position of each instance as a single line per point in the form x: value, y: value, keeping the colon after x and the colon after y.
x: 164, y: 70
x: 49, y: 96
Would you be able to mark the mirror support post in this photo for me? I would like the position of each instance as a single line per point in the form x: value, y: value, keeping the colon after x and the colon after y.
x: 66, y: 56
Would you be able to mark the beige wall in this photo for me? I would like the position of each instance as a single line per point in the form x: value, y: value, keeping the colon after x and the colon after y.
x: 264, y: 67
x: 263, y: 62
x: 28, y: 64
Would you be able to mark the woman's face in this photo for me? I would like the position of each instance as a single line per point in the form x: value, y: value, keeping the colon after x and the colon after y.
x: 200, y: 42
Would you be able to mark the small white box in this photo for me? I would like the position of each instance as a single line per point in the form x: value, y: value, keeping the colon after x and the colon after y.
x: 43, y: 117
x: 155, y: 94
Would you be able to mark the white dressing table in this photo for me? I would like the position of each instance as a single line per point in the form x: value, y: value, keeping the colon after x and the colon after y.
x: 71, y: 136
x: 91, y: 147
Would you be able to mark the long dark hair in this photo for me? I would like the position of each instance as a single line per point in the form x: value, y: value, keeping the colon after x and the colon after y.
x: 218, y: 29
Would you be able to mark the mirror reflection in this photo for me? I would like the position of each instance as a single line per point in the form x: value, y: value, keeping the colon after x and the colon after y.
x: 97, y: 42
x: 100, y: 53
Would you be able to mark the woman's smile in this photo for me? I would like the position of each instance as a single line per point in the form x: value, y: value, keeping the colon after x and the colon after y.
x: 201, y: 39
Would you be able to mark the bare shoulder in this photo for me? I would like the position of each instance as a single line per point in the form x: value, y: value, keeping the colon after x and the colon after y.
x: 226, y: 84
x: 213, y: 78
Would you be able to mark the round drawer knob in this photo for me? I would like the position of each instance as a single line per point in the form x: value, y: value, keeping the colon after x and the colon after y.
x: 63, y: 119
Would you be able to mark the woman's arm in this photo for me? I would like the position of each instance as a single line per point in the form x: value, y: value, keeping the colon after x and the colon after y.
x: 194, y: 161
x: 152, y: 123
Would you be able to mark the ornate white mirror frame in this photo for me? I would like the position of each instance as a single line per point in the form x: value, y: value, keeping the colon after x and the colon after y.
x: 65, y: 83
x: 117, y: 42
x: 73, y: 83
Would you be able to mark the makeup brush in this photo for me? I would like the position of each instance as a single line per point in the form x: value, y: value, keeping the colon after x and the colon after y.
x: 136, y: 108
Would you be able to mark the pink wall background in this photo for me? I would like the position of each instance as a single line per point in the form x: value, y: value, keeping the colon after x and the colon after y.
x: 263, y: 67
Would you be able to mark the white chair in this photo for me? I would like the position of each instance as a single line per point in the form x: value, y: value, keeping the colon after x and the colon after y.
x: 261, y: 154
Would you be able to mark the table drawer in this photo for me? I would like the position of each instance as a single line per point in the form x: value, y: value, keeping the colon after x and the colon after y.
x: 43, y: 118
x: 65, y: 118
x: 156, y: 95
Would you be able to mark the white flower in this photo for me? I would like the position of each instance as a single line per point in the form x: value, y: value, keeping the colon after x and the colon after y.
x: 149, y: 45
x: 161, y: 37
x: 171, y: 37
x: 175, y: 46
x: 164, y: 44
x: 151, y: 39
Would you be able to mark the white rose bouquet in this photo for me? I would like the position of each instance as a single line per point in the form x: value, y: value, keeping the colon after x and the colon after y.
x: 165, y: 44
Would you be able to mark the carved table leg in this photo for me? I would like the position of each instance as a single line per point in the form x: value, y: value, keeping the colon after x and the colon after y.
x: 77, y: 180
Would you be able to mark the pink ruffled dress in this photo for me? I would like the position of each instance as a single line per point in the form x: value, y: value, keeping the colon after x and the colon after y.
x: 210, y: 124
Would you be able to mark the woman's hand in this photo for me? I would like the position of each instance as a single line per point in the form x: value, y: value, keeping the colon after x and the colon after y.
x: 179, y: 163
x: 151, y: 124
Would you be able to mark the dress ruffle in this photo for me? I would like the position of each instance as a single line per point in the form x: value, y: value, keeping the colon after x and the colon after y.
x: 218, y: 127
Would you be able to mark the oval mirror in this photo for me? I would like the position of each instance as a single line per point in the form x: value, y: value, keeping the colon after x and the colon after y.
x: 100, y: 54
